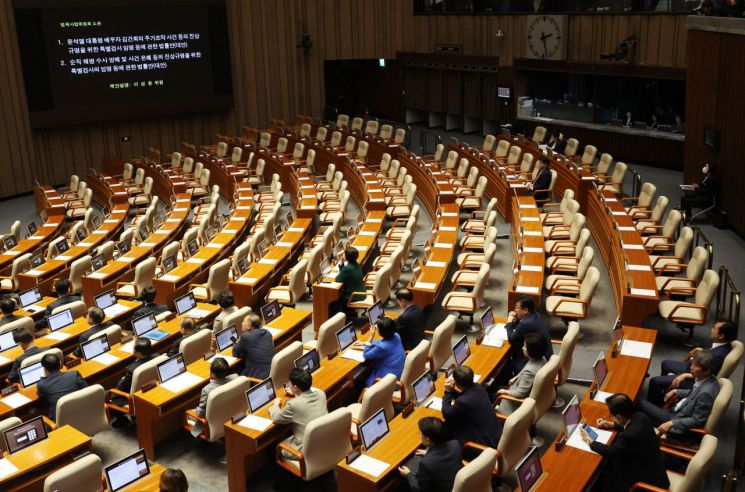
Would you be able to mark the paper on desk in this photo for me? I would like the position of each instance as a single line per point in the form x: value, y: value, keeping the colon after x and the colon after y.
x: 7, y: 468
x: 371, y: 466
x: 634, y: 348
x: 85, y: 245
x: 352, y: 354
x: 440, y: 264
x: 58, y: 335
x: 3, y: 360
x: 284, y: 245
x: 575, y: 440
x: 126, y: 259
x: 33, y: 308
x: 627, y: 228
x: 373, y: 220
x: 643, y: 292
x: 268, y: 261
x: 367, y: 233
x: 98, y: 275
x: 230, y: 231
x: 197, y: 261
x: 529, y: 219
x: 525, y: 289
x: 198, y: 313
x: 424, y: 285
x: 532, y: 233
x: 106, y: 359
x: 246, y: 280
x: 35, y: 272
x: 256, y: 423
x: 273, y: 331
x: 442, y: 245
x: 435, y: 404
x: 12, y: 253
x: 170, y: 278
x: 532, y: 250
x: 633, y: 246
x: 638, y: 268
x: 496, y: 336
x: 128, y: 347
x: 531, y: 268
x: 181, y: 382
x: 447, y: 229
x: 601, y: 396
x: 147, y: 245
x: 16, y: 400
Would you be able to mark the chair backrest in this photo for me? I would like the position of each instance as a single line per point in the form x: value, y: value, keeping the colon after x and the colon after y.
x: 113, y: 334
x: 489, y: 142
x: 223, y: 403
x: 127, y: 171
x: 140, y: 176
x: 218, y: 278
x: 414, y: 366
x: 6, y: 424
x: 400, y: 136
x: 188, y: 165
x: 683, y: 243
x: 698, y: 467
x: 570, y: 212
x: 476, y: 476
x: 441, y: 348
x: 572, y: 147
x: 588, y: 254
x: 503, y: 147
x: 342, y: 120
x: 732, y: 360
x: 77, y: 308
x: 515, y: 439
x: 321, y: 133
x: 527, y: 162
x: 707, y: 288
x: 382, y: 285
x: 439, y: 150
x: 543, y: 390
x: 22, y: 263
x: 146, y: 372
x: 566, y: 353
x: 350, y: 143
x: 539, y: 134
x: 589, y: 285
x: 588, y: 156
x: 33, y: 359
x: 697, y: 263
x: 326, y: 342
x: 282, y: 362
x: 260, y: 165
x: 326, y: 442
x: 604, y: 163
x: 314, y: 263
x: 362, y: 150
x: 646, y: 196
x: 26, y: 322
x: 84, y: 409
x: 266, y: 139
x: 305, y: 130
x: 482, y: 278
x: 372, y: 127
x: 15, y: 230
x: 356, y: 123
x: 298, y: 150
x: 222, y: 149
x: 720, y: 405
x: 236, y: 318
x: 235, y: 157
x: 619, y: 171
x: 282, y: 145
x: 473, y: 176
x: 659, y: 209
x: 78, y: 268
x: 82, y: 475
x: 74, y: 182
x: 672, y: 221
x: 377, y: 396
x: 195, y: 346
x: 335, y: 139
x: 452, y: 160
x: 298, y: 288
x: 144, y: 273
x: 514, y: 155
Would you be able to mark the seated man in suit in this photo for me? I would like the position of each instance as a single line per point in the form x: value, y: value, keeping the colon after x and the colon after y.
x: 62, y: 288
x: 94, y: 317
x: 542, y: 180
x: 55, y: 384
x: 522, y: 320
x: 307, y: 404
x: 142, y: 353
x: 219, y: 375
x: 468, y: 410
x: 8, y: 306
x: 693, y: 406
x: 556, y: 143
x: 255, y: 347
x: 25, y: 338
x: 438, y: 462
x: 520, y: 386
x: 410, y: 324
x: 703, y: 192
x: 148, y: 303
x: 634, y: 456
x: 188, y: 328
x: 226, y: 301
x: 384, y: 356
x: 676, y: 374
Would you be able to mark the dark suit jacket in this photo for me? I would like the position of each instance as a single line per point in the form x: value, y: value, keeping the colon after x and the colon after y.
x: 559, y: 146
x: 148, y: 308
x: 437, y: 469
x: 90, y: 332
x: 634, y: 456
x: 61, y: 301
x: 719, y: 353
x: 410, y: 326
x: 542, y: 182
x: 256, y: 349
x: 9, y: 318
x: 516, y: 331
x: 57, y: 385
x: 471, y: 417
x: 13, y: 375
x: 125, y: 383
x: 696, y: 408
x: 351, y: 277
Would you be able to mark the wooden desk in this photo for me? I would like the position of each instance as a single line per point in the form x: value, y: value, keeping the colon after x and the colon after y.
x: 48, y: 200
x: 528, y: 248
x: 40, y: 460
x: 150, y: 483
x: 45, y: 233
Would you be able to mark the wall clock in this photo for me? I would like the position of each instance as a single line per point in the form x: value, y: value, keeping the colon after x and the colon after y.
x: 547, y: 37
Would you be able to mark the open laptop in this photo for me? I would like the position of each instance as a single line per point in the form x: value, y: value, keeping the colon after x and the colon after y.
x: 168, y: 264
x: 192, y: 248
x: 96, y: 222
x: 10, y: 242
x: 36, y: 260
x: 241, y: 266
x: 146, y: 326
x: 95, y: 347
x: 346, y: 336
x: 326, y: 267
x: 143, y: 233
x: 32, y: 228
x: 157, y: 222
x: 375, y: 312
x: 107, y: 302
x: 424, y: 389
x: 171, y: 368
x: 271, y: 311
x: 262, y: 249
x: 29, y: 298
x: 572, y: 416
x: 529, y: 470
x: 600, y: 369
x: 493, y: 335
x: 461, y: 351
x: 98, y: 262
x: 7, y: 340
x: 24, y: 435
x: 186, y: 305
x: 124, y: 246
x: 127, y: 470
x: 60, y: 320
x: 80, y: 234
x: 31, y: 374
x: 62, y: 246
x: 259, y: 395
x: 374, y: 429
x: 416, y: 270
x: 225, y: 338
x: 309, y: 361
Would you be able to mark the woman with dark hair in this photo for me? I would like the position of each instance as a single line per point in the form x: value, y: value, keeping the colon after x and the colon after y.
x: 351, y: 278
x: 173, y: 480
x: 534, y: 349
x: 386, y: 356
x: 439, y: 461
x: 702, y: 193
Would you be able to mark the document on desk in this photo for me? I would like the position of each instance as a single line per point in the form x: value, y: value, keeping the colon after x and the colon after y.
x: 58, y: 335
x: 197, y: 313
x: 256, y: 423
x: 4, y: 360
x: 273, y: 331
x: 601, y: 396
x: 128, y: 347
x: 496, y: 336
x: 115, y: 309
x: 369, y: 465
x: 632, y: 348
x: 106, y: 359
x: 16, y: 400
x: 575, y: 440
x: 7, y: 468
x: 435, y: 404
x: 98, y: 275
x: 181, y: 382
x: 170, y: 278
x: 352, y: 354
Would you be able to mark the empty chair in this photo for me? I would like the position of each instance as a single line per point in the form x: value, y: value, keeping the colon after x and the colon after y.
x: 469, y: 302
x: 478, y: 221
x: 472, y: 200
x: 414, y: 366
x: 141, y: 375
x: 282, y: 362
x: 82, y: 475
x: 579, y: 307
x: 195, y: 346
x: 217, y: 281
x: 6, y: 424
x: 650, y: 224
x: 295, y: 289
x: 400, y: 136
x: 588, y: 156
x: 578, y: 224
x: 255, y: 177
x: 144, y: 198
x: 441, y: 348
x: 78, y: 268
x: 694, y: 270
x: 561, y: 231
x: 552, y: 212
x: 144, y: 273
x: 326, y: 342
x: 476, y: 476
x: 687, y: 314
x: 376, y: 397
x: 539, y: 135
x: 641, y: 203
x: 77, y: 308
x: 77, y: 208
x: 615, y: 182
x: 21, y: 264
x: 84, y: 410
x: 570, y: 251
x: 695, y: 474
x: 356, y: 124
x: 568, y: 283
x: 335, y: 139
x: 342, y: 120
x: 572, y: 147
x: 321, y: 134
x: 305, y: 129
x: 222, y: 403
x: 503, y: 148
x: 371, y: 128
x: 477, y: 242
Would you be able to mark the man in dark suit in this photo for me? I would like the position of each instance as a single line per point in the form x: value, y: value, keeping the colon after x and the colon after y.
x: 524, y: 319
x: 255, y: 347
x: 556, y: 143
x: 62, y: 288
x: 8, y: 306
x: 439, y: 462
x: 55, y: 384
x: 693, y: 406
x: 143, y: 353
x: 703, y: 192
x: 634, y: 455
x: 148, y: 303
x: 410, y: 324
x: 188, y: 328
x: 94, y: 317
x: 25, y: 338
x: 676, y: 374
x: 542, y: 180
x: 468, y: 411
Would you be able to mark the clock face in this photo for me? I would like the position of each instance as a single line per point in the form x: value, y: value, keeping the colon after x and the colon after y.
x: 545, y: 37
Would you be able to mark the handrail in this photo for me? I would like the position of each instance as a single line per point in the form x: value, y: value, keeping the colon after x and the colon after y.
x: 700, y: 239
x: 636, y: 184
x: 728, y: 297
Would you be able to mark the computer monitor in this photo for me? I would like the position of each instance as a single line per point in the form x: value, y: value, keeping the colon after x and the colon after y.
x: 62, y: 246
x: 31, y: 374
x: 270, y: 311
x: 185, y: 303
x: 171, y: 368
x: 30, y: 296
x: 261, y: 394
x: 10, y: 242
x: 277, y: 230
x: 144, y: 324
x: 416, y: 270
x: 225, y: 338
x: 346, y: 336
x: 374, y: 429
x: 529, y: 470
x: 60, y: 320
x: 32, y: 228
x: 143, y: 233
x: 127, y: 471
x: 600, y: 368
x: 98, y: 262
x: 124, y: 246
x: 375, y: 312
x: 192, y: 248
x: 105, y: 299
x: 96, y: 222
x: 424, y: 387
x: 95, y: 347
x: 487, y: 320
x: 36, y: 260
x: 24, y: 435
x: 157, y: 222
x: 7, y: 340
x: 80, y: 234
x: 461, y: 351
x: 309, y: 361
x: 572, y: 416
x: 169, y: 263
x: 242, y: 265
x: 262, y: 248
x: 325, y: 265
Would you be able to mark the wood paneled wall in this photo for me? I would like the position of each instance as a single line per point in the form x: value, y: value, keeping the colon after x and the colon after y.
x: 273, y: 78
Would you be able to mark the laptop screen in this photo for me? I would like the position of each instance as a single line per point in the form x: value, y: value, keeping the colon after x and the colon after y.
x: 346, y: 336
x: 171, y: 368
x: 10, y: 242
x: 36, y: 260
x: 416, y: 270
x: 124, y: 246
x: 309, y: 361
x: 30, y: 296
x: 81, y: 234
x: 271, y: 311
x: 143, y: 233
x: 185, y: 303
x: 572, y: 415
x: 424, y: 387
x: 600, y: 368
x: 487, y: 320
x: 242, y: 265
x: 31, y: 374
x: 98, y: 262
x: 105, y: 299
x: 127, y: 470
x: 461, y: 351
x: 169, y: 263
x: 375, y: 312
x: 62, y: 246
x: 60, y: 320
x: 226, y: 338
x: 192, y: 247
x: 24, y: 435
x: 32, y: 228
x: 260, y: 395
x: 144, y: 324
x: 95, y: 347
x: 96, y: 221
x: 529, y: 470
x: 7, y: 341
x: 263, y: 248
x: 374, y: 429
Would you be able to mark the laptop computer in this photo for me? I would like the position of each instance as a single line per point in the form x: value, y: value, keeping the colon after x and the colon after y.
x: 62, y: 246
x: 7, y: 340
x: 31, y: 374
x: 225, y: 338
x: 24, y: 435
x: 127, y: 470
x: 461, y: 351
x: 271, y: 311
x: 169, y: 263
x: 107, y: 301
x: 326, y: 266
x: 260, y: 394
x: 29, y: 298
x: 375, y: 312
x: 171, y: 368
x: 424, y: 389
x: 309, y: 361
x: 10, y: 242
x: 416, y: 270
x: 146, y: 326
x: 98, y: 262
x: 241, y: 266
x: 262, y: 248
x: 288, y: 218
x: 60, y: 320
x: 124, y: 246
x: 600, y: 369
x: 346, y: 336
x: 572, y: 416
x: 95, y: 347
x: 80, y: 234
x: 96, y: 222
x: 157, y: 222
x: 143, y: 233
x: 374, y: 429
x: 31, y: 227
x: 186, y: 305
x: 529, y: 470
x: 192, y: 248
x: 36, y: 260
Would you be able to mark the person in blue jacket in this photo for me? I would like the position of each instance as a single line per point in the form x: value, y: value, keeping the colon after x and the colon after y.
x: 384, y: 356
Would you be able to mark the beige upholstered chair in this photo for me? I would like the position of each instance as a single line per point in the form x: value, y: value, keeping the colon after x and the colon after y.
x: 566, y: 356
x: 649, y: 225
x: 342, y: 120
x: 33, y: 359
x: 282, y: 362
x: 687, y: 314
x: 569, y: 282
x: 473, y: 201
x: 139, y: 180
x: 400, y: 136
x: 282, y: 145
x: 325, y: 444
x: 236, y: 318
x: 77, y: 308
x: 476, y: 476
x: 664, y: 239
x: 84, y: 410
x: 335, y: 139
x: 732, y: 360
x: 381, y: 291
x: 588, y: 156
x: 315, y: 260
x: 26, y: 322
x: 326, y: 342
x: 641, y: 203
x: 560, y: 235
x: 478, y: 242
x: 222, y: 404
x: 144, y: 198
x: 195, y: 346
x: 695, y: 474
x: 144, y: 273
x: 471, y: 265
x: 356, y: 124
x: 372, y: 399
x: 601, y: 170
x: 572, y: 147
x: 539, y: 135
x: 78, y: 268
x: 503, y: 148
x: 256, y: 176
x: 20, y: 265
x: 82, y: 475
x: 479, y: 220
x: 218, y: 280
x: 694, y: 271
x: 414, y: 366
x: 579, y: 307
x: 511, y: 159
x: 142, y: 374
x: 6, y: 424
x: 113, y: 334
x: 77, y: 208
x: 296, y: 288
x: 350, y: 144
x: 615, y: 182
x: 15, y: 230
x: 552, y: 213
x: 568, y: 249
x: 321, y: 134
x: 265, y: 139
x: 468, y: 302
x: 441, y: 348
x: 371, y: 127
